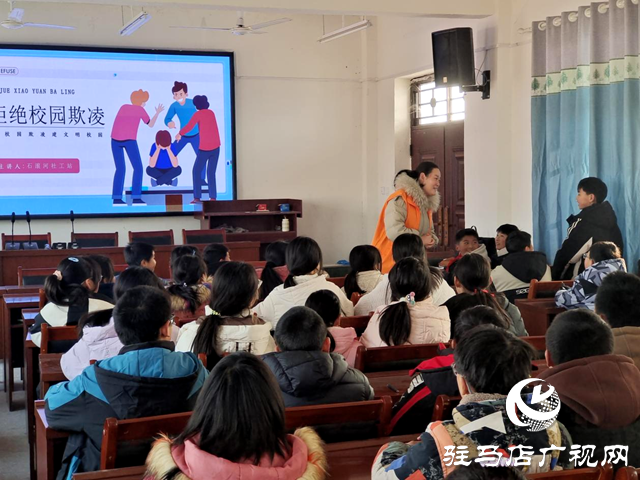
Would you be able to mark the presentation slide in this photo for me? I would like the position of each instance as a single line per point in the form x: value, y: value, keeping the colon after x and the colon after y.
x: 114, y: 132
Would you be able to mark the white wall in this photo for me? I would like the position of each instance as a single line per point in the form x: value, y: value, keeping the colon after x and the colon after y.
x: 298, y: 111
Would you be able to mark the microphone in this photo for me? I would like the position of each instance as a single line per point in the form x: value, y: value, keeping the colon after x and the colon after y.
x: 31, y: 245
x: 72, y: 218
x: 12, y: 245
x: 13, y: 222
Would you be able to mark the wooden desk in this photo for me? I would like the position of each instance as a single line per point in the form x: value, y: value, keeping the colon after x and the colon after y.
x: 8, y: 289
x: 50, y: 445
x: 50, y: 371
x: 537, y: 314
x: 13, y: 340
x: 399, y: 379
x: 10, y: 260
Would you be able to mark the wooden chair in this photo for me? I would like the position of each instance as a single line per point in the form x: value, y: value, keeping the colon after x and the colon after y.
x: 256, y: 263
x: 41, y: 239
x: 155, y: 238
x: 201, y: 237
x: 627, y: 473
x: 402, y: 357
x: 546, y: 289
x: 56, y: 334
x: 538, y: 342
x: 359, y: 322
x: 118, y: 269
x: 42, y: 298
x: 339, y: 281
x: 33, y: 276
x: 355, y: 298
x: 443, y: 408
x: 596, y: 473
x: 91, y: 240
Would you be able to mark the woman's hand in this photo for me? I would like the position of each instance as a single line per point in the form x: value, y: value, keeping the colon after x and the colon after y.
x: 428, y: 240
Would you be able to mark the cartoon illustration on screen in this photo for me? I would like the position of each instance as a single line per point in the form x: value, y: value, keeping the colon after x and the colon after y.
x: 163, y: 161
x: 124, y: 137
x: 209, y: 148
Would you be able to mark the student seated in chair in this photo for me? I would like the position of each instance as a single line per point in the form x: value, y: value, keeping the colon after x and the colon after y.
x: 305, y: 370
x: 365, y: 274
x: 140, y: 254
x: 237, y: 432
x: 214, y: 256
x: 146, y: 378
x: 502, y: 233
x: 522, y: 265
x: 489, y: 362
x: 599, y: 391
x: 467, y: 242
x: 617, y: 303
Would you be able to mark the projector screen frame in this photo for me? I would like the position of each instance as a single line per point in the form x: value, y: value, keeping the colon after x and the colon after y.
x: 148, y: 51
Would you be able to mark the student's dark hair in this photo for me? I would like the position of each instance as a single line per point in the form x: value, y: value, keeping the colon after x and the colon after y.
x: 136, y: 252
x: 132, y: 277
x: 408, y: 245
x: 595, y: 186
x: 106, y: 266
x: 183, y: 251
x: 326, y: 304
x: 473, y: 271
x: 409, y: 275
x: 201, y: 102
x: 303, y: 256
x: 69, y: 291
x: 617, y: 299
x: 424, y: 167
x: 517, y: 241
x: 578, y: 334
x: 213, y: 257
x: 300, y: 329
x: 507, y: 229
x: 275, y: 255
x: 493, y: 360
x: 187, y: 272
x: 601, y: 251
x: 177, y: 86
x: 233, y: 290
x: 474, y: 317
x: 96, y: 270
x: 477, y: 471
x: 466, y: 232
x: 140, y: 313
x: 241, y: 387
x: 362, y: 258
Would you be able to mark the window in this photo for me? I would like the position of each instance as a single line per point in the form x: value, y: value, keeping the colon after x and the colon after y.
x: 435, y: 105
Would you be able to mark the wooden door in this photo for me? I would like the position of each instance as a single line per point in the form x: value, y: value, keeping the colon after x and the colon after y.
x: 443, y: 144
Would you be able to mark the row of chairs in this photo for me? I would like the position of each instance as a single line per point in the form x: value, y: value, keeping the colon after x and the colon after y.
x: 156, y: 238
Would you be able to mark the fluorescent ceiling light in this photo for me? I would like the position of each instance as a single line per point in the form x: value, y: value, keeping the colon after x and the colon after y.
x: 344, y: 31
x: 135, y: 24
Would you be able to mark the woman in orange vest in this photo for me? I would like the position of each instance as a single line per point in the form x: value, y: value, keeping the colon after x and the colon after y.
x: 409, y: 210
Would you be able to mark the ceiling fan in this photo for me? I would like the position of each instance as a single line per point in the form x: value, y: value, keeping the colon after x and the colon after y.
x: 241, y: 28
x: 14, y: 21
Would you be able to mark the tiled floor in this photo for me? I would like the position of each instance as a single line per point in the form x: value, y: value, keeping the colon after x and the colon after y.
x: 14, y: 456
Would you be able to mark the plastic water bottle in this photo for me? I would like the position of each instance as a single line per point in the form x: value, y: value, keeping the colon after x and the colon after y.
x: 285, y: 224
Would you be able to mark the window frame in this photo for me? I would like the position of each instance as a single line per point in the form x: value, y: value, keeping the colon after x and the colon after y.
x: 416, y: 90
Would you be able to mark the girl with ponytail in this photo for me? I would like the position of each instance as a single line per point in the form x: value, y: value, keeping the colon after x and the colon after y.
x: 472, y: 281
x: 230, y: 327
x: 188, y: 294
x: 70, y: 293
x: 411, y: 318
x: 275, y: 271
x: 365, y: 275
x: 304, y: 261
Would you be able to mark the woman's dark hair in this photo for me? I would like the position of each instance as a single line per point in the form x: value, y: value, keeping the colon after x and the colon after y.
x: 96, y: 271
x: 70, y: 290
x: 424, y: 167
x: 408, y: 276
x: 106, y: 266
x: 601, y: 251
x: 474, y: 317
x: 303, y: 257
x: 275, y: 255
x: 183, y: 251
x: 241, y: 387
x: 132, y: 277
x: 201, y: 102
x: 187, y: 272
x: 326, y: 304
x: 474, y: 273
x: 408, y: 245
x: 214, y: 256
x: 362, y: 258
x: 233, y: 290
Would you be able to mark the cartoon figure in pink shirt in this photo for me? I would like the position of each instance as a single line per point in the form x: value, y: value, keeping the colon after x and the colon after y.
x: 124, y: 136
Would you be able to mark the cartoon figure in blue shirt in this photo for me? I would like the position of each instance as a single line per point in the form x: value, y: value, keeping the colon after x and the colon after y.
x: 184, y: 108
x: 163, y: 161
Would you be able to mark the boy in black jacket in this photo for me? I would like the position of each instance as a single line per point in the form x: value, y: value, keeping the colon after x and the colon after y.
x: 595, y: 223
x: 146, y: 378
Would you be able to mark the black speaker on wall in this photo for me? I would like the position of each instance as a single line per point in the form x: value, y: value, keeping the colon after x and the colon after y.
x: 453, y: 57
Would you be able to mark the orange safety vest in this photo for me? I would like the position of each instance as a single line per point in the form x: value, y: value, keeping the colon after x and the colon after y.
x: 380, y: 239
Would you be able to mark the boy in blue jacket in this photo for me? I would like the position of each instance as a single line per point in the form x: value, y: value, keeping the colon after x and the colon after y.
x: 146, y: 378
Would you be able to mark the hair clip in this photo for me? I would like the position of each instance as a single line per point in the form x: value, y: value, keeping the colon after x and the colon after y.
x: 73, y: 259
x: 410, y: 299
x: 58, y: 275
x: 185, y: 284
x: 216, y: 313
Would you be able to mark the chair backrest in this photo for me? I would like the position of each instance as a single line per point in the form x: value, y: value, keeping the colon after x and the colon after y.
x: 538, y: 342
x: 33, y: 276
x: 91, y: 240
x: 546, y: 289
x: 256, y: 263
x: 339, y: 281
x: 627, y: 473
x: 402, y: 357
x: 201, y: 237
x: 355, y: 298
x: 443, y: 407
x: 359, y: 323
x: 155, y: 238
x: 596, y: 473
x: 56, y: 334
x: 41, y: 239
x: 42, y: 298
x: 118, y: 269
